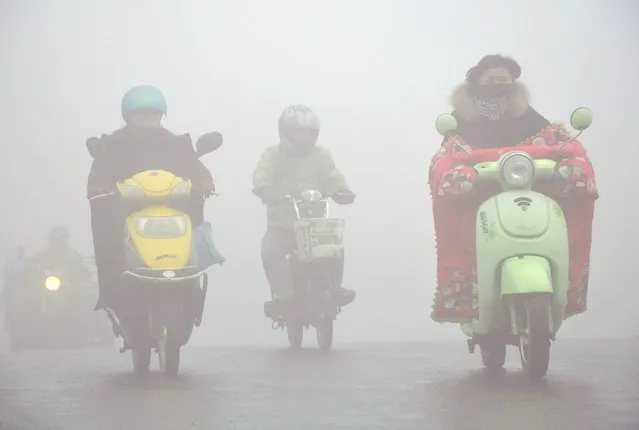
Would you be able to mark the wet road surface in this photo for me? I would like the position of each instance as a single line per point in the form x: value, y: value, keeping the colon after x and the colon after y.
x: 435, y: 386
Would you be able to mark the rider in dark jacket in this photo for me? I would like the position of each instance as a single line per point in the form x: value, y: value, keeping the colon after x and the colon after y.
x: 142, y: 144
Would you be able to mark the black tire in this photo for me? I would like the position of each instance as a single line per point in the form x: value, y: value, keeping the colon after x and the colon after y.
x: 493, y: 355
x: 534, y: 348
x: 169, y: 352
x: 141, y: 358
x: 173, y: 349
x: 295, y: 332
x: 325, y: 335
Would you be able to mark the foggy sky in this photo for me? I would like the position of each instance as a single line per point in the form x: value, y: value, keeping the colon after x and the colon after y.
x: 377, y: 72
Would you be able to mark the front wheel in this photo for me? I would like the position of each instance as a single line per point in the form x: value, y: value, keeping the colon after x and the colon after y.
x: 141, y: 358
x: 493, y: 355
x: 534, y: 338
x: 295, y: 332
x: 325, y: 335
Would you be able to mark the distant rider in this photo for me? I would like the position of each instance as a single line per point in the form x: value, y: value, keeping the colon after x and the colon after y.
x: 60, y: 254
x: 297, y: 163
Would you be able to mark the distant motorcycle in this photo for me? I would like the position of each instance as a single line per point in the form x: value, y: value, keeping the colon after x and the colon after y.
x: 317, y: 270
x: 50, y: 310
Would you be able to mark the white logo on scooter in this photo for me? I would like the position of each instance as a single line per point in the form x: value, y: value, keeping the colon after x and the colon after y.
x: 168, y: 274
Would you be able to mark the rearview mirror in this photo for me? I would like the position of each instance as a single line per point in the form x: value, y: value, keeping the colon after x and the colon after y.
x: 208, y: 143
x: 94, y: 146
x: 446, y: 124
x: 581, y: 118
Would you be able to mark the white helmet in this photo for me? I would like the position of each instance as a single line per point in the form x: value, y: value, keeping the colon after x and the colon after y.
x: 299, y: 128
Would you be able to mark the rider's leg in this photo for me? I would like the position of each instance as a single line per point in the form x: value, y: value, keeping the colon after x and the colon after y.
x: 345, y: 296
x: 455, y: 241
x: 276, y: 245
x: 108, y: 241
x: 579, y: 217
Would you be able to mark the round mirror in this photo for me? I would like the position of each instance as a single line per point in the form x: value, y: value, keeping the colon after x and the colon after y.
x: 208, y: 143
x: 581, y: 118
x: 445, y: 124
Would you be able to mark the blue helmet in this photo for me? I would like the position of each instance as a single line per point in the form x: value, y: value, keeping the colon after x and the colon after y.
x: 143, y: 97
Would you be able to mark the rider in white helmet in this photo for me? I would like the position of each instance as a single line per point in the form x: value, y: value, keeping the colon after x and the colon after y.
x: 297, y: 163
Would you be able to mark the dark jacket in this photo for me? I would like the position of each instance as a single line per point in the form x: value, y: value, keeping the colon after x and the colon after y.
x: 520, y: 122
x: 131, y: 150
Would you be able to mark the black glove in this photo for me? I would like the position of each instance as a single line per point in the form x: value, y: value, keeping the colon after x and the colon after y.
x: 343, y: 197
x: 268, y: 194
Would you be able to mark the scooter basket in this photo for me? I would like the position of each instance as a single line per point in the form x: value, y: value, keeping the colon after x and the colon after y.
x: 319, y: 238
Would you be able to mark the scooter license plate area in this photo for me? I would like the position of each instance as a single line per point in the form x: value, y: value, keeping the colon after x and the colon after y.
x: 322, y: 229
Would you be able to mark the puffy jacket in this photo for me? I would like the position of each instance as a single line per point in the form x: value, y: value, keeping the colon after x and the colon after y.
x: 520, y: 122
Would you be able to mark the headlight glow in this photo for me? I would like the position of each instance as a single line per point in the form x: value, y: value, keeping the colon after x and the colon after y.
x: 52, y: 283
x: 311, y: 195
x: 130, y: 191
x: 517, y: 170
x: 182, y: 188
x: 161, y: 227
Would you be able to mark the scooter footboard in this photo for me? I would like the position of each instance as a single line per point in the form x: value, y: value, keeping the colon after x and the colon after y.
x: 526, y: 274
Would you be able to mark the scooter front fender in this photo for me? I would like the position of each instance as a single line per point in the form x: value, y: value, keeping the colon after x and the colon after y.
x: 526, y: 274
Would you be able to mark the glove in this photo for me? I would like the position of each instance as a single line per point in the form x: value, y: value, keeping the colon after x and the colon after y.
x: 268, y: 194
x: 458, y: 180
x: 207, y: 187
x: 343, y: 197
x: 571, y: 177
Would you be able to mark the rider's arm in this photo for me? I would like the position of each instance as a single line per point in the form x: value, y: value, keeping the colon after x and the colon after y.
x: 446, y: 176
x: 97, y: 182
x: 204, y: 177
x: 577, y: 174
x: 264, y: 175
x: 332, y: 179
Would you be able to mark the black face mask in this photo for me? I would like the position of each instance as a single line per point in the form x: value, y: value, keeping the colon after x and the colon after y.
x: 493, y: 91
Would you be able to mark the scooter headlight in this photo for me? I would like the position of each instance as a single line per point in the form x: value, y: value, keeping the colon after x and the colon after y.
x: 161, y: 227
x: 52, y: 283
x: 311, y: 195
x: 517, y: 170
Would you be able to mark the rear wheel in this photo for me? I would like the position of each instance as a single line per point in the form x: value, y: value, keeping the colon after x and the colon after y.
x: 493, y: 355
x: 141, y: 358
x: 534, y: 339
x: 169, y: 353
x: 295, y: 332
x: 325, y: 335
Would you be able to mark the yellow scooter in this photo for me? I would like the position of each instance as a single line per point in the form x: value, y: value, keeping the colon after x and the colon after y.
x: 165, y: 276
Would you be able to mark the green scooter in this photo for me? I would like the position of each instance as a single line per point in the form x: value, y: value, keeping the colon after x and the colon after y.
x: 522, y: 259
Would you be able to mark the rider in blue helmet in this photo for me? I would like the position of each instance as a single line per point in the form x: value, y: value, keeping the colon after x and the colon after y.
x: 142, y: 144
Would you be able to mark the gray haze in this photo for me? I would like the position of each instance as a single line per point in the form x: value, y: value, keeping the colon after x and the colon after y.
x: 377, y: 72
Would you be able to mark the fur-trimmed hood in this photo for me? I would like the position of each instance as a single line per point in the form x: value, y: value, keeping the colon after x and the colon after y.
x: 462, y: 102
